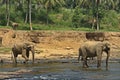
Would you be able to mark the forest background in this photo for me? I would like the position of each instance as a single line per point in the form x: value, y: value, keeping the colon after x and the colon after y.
x: 84, y: 15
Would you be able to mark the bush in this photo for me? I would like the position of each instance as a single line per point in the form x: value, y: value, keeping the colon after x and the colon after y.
x: 3, y: 20
x: 80, y: 18
x: 110, y: 20
x: 42, y: 17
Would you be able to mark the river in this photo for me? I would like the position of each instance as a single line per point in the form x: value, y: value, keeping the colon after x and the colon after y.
x: 61, y: 71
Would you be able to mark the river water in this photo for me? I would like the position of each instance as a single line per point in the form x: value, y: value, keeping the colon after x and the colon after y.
x: 62, y: 71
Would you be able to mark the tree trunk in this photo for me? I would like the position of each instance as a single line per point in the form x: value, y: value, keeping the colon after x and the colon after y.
x: 93, y: 22
x: 93, y: 17
x: 8, y: 12
x: 97, y: 21
x: 72, y: 5
x: 30, y: 23
x: 47, y: 17
x: 26, y: 17
x: 97, y: 18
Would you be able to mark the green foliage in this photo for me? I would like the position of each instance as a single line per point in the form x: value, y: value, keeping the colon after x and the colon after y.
x: 62, y: 15
x: 15, y: 16
x: 3, y: 16
x: 42, y: 17
x: 81, y: 18
x: 110, y: 21
x: 2, y: 19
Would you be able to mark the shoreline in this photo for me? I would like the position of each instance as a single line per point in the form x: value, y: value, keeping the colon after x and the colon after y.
x: 5, y: 58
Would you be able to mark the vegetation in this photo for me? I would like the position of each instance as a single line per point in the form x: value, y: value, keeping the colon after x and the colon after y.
x: 61, y: 14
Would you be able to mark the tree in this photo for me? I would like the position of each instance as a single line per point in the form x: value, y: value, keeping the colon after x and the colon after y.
x: 8, y: 11
x: 29, y: 3
x: 110, y: 4
x: 95, y: 5
x: 48, y: 4
x: 28, y: 13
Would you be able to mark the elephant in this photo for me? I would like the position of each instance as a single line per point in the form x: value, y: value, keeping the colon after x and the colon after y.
x: 93, y: 49
x: 14, y: 25
x: 23, y: 49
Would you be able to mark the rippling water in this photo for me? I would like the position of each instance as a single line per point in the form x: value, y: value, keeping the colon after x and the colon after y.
x: 63, y: 71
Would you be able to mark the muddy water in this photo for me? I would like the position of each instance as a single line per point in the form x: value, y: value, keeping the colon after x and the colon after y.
x: 61, y: 71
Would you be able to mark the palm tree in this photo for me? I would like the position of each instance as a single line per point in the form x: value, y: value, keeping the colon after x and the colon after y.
x: 8, y: 11
x: 94, y: 4
x: 109, y: 3
x: 28, y: 13
x: 90, y: 4
x: 48, y: 4
x: 97, y: 12
x: 26, y: 8
x: 29, y: 3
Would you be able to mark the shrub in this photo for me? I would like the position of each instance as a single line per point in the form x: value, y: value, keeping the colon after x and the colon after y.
x: 110, y: 20
x: 42, y: 16
x: 3, y: 20
x: 80, y: 18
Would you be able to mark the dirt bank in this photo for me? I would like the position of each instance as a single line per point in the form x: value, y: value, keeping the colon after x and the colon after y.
x: 56, y: 44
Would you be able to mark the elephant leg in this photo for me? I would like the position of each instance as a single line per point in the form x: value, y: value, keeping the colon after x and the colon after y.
x: 99, y: 57
x: 91, y: 58
x: 84, y: 57
x: 81, y: 58
x: 14, y: 57
x: 24, y: 55
x: 27, y: 53
x: 108, y: 55
x: 85, y: 62
x: 15, y: 60
x: 98, y: 63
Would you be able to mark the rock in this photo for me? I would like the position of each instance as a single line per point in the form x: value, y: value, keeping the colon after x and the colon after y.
x: 68, y: 48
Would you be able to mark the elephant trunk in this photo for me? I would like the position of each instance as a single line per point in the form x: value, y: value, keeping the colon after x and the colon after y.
x: 12, y: 57
x: 33, y: 55
x: 108, y: 55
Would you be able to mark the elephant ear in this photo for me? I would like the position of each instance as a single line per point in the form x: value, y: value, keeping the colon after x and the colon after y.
x: 106, y: 45
x: 29, y: 46
x: 26, y: 46
x: 102, y: 46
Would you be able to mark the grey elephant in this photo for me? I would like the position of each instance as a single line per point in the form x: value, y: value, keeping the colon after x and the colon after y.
x: 23, y: 49
x: 93, y: 49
